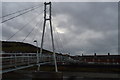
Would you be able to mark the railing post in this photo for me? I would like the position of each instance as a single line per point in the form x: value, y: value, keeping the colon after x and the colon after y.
x: 15, y: 60
x: 22, y: 57
x: 28, y: 58
x: 11, y: 58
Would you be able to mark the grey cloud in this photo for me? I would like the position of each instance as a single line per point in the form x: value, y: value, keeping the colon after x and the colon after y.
x: 99, y: 17
x: 89, y: 27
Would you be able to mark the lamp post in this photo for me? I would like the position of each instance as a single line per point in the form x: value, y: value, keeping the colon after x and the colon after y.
x: 37, y: 54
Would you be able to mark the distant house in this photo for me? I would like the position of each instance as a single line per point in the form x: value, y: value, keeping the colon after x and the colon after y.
x: 105, y: 59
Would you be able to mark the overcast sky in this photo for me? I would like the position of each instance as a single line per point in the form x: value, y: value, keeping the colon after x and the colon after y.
x: 88, y: 28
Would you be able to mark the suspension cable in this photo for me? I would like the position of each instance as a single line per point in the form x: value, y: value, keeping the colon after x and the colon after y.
x: 30, y: 31
x: 28, y: 34
x: 37, y: 31
x: 20, y: 14
x: 58, y: 38
x: 23, y: 26
x: 19, y: 11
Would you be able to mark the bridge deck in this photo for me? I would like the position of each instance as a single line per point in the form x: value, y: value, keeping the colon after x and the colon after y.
x: 22, y: 67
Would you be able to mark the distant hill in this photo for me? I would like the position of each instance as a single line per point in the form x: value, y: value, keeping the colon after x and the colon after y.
x: 20, y: 47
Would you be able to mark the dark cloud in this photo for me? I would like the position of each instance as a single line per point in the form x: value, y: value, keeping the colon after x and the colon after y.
x: 93, y: 27
x: 83, y: 27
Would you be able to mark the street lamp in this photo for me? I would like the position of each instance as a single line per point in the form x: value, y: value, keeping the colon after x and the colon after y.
x: 37, y: 54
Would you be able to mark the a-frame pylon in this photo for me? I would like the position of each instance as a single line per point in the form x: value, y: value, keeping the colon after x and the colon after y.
x: 48, y: 18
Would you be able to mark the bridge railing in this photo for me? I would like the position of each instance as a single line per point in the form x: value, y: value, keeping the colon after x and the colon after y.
x: 10, y: 60
x: 15, y: 61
